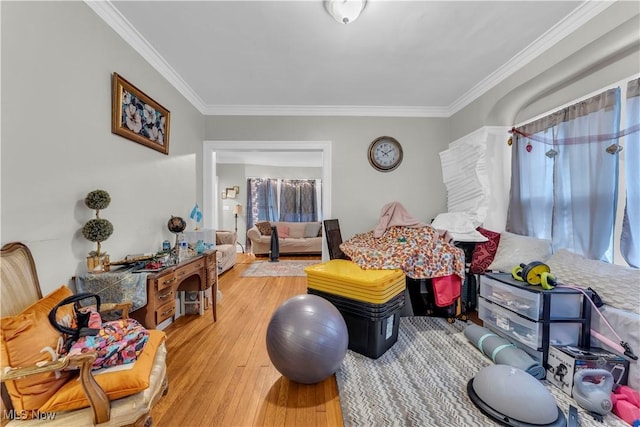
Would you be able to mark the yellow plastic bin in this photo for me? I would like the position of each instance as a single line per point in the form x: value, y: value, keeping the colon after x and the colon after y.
x: 347, y: 279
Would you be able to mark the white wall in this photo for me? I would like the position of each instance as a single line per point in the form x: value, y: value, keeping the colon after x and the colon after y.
x: 358, y: 192
x: 57, y: 145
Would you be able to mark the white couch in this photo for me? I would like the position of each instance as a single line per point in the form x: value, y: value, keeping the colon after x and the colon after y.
x: 618, y: 286
x: 226, y: 254
x: 293, y: 237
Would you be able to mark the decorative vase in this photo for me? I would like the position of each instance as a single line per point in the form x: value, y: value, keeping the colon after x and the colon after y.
x: 93, y: 262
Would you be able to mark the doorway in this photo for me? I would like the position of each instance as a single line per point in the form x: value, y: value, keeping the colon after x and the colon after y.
x: 212, y: 149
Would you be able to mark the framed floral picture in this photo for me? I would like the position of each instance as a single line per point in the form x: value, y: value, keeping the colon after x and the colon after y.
x: 137, y: 117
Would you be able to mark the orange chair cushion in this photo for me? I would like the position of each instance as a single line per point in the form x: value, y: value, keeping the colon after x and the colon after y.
x: 23, y: 336
x: 116, y: 383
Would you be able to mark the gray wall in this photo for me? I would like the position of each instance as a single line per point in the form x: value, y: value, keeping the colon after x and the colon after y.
x: 57, y: 145
x: 358, y: 192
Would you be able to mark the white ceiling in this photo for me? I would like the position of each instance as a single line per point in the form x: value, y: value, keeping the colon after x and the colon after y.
x: 400, y: 58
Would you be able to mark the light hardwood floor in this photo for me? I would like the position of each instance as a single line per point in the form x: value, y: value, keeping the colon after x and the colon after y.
x: 220, y: 373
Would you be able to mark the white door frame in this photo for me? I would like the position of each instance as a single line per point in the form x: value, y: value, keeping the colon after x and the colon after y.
x: 209, y: 172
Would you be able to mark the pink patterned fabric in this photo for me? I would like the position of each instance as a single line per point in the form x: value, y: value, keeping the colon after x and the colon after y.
x: 420, y: 252
x: 485, y: 252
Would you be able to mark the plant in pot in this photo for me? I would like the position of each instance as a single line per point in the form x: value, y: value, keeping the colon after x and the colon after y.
x: 97, y: 230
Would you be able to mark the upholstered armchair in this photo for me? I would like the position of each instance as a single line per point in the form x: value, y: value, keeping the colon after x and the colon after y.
x: 65, y: 392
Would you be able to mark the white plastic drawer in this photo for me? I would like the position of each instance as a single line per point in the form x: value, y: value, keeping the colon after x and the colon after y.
x: 524, y: 330
x: 526, y: 303
x: 564, y: 303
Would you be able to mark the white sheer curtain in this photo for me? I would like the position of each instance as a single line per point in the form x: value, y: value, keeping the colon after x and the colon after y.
x: 564, y: 181
x: 630, y: 239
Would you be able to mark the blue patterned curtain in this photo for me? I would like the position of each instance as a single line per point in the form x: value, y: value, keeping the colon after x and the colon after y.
x: 262, y: 200
x: 298, y: 200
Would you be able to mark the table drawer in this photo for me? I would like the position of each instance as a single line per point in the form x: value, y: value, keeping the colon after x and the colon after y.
x: 529, y: 303
x: 524, y: 330
x: 190, y: 268
x: 165, y: 312
x: 166, y: 281
x: 165, y: 295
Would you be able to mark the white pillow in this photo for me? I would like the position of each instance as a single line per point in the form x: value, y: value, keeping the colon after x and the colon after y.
x: 454, y: 222
x: 515, y: 249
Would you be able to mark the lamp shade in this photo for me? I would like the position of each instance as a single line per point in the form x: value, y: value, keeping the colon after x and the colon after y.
x: 237, y: 210
x: 345, y: 11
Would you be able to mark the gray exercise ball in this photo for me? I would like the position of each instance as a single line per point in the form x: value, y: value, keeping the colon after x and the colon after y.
x: 307, y: 339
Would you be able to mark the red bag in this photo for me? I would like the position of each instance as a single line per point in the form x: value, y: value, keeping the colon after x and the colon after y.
x: 446, y: 289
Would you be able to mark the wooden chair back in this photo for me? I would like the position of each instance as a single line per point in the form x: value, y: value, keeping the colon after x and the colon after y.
x: 19, y: 288
x: 334, y: 239
x: 19, y: 283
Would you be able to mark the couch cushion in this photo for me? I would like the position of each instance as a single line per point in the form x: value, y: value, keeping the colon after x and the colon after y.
x: 484, y: 252
x: 22, y: 338
x: 312, y: 229
x: 283, y: 231
x: 296, y: 229
x: 117, y: 382
x: 264, y: 228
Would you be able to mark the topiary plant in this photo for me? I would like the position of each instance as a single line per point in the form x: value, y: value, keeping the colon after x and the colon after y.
x: 97, y: 230
x: 97, y: 199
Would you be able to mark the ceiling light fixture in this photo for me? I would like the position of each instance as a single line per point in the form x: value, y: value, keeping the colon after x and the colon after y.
x: 345, y: 11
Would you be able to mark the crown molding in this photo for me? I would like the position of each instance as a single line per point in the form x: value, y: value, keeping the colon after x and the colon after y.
x: 112, y: 16
x: 570, y: 23
x: 324, y: 110
x: 121, y: 25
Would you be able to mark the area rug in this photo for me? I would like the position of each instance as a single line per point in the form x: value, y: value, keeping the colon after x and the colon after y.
x: 422, y: 380
x: 280, y: 268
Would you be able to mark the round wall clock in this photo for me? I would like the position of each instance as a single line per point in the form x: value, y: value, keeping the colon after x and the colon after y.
x: 385, y: 153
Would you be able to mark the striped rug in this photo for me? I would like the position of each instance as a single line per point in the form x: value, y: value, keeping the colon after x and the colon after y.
x: 422, y: 381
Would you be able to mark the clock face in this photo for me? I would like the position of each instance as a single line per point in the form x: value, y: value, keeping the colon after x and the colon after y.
x: 385, y: 153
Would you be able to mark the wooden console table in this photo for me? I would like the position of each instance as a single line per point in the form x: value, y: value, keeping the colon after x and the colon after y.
x: 195, y: 274
x: 198, y: 273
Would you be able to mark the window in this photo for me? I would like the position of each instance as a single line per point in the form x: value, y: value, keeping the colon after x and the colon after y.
x: 565, y: 177
x: 293, y: 200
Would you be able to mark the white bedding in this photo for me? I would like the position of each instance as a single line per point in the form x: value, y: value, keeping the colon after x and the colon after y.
x: 619, y: 289
x: 627, y: 326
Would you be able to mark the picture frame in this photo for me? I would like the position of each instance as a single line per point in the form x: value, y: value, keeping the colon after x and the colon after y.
x: 231, y: 193
x: 136, y: 116
x: 236, y: 188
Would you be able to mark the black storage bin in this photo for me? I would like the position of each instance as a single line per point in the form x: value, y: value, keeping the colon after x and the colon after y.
x: 373, y: 328
x: 372, y: 337
x: 365, y: 309
x: 423, y: 299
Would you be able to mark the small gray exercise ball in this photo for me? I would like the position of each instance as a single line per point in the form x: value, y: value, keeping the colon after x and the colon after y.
x: 307, y: 339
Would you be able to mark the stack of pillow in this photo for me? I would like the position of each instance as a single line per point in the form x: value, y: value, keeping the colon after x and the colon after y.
x: 504, y: 251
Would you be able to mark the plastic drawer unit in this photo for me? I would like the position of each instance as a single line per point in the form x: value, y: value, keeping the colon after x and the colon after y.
x: 524, y: 330
x: 528, y: 303
x: 532, y: 317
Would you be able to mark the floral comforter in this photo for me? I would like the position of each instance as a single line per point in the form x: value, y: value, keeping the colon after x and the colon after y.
x: 420, y: 252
